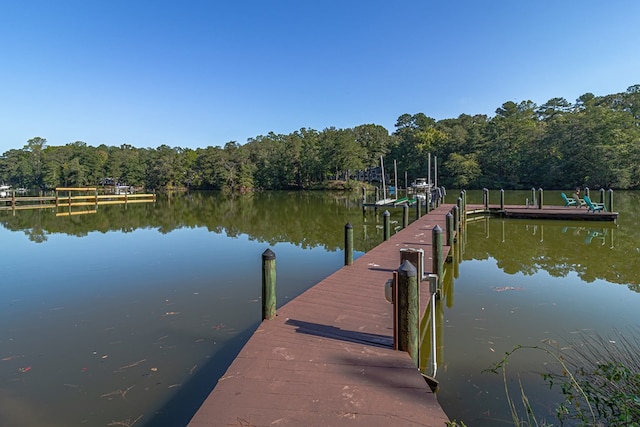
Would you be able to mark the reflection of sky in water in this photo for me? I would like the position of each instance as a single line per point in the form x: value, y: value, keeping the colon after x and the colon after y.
x: 75, y: 311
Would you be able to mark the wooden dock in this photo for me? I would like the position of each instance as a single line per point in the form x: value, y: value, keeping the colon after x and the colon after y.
x: 570, y: 213
x: 72, y: 199
x: 327, y: 359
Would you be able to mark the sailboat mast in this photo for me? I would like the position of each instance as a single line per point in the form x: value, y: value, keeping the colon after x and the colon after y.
x: 384, y: 188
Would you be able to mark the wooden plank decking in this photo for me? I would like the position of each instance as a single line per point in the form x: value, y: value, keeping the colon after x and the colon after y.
x: 327, y: 359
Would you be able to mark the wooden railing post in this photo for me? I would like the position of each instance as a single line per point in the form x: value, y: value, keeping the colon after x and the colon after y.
x: 408, y: 311
x: 268, y: 285
x: 348, y: 244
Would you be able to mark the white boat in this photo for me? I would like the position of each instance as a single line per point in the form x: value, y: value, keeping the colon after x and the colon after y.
x: 420, y: 184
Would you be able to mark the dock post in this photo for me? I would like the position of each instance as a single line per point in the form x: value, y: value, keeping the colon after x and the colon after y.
x: 540, y: 198
x: 485, y: 198
x: 408, y: 311
x: 437, y: 266
x: 456, y: 217
x: 502, y: 199
x: 268, y: 285
x: 418, y: 209
x: 602, y: 195
x: 610, y: 207
x: 405, y: 215
x: 533, y: 197
x: 386, y: 226
x: 586, y: 191
x: 450, y: 229
x: 348, y: 244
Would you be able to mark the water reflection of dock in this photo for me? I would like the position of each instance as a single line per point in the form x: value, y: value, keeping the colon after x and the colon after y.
x: 73, y: 197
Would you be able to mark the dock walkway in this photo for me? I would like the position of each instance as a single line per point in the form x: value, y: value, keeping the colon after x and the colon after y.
x: 327, y: 359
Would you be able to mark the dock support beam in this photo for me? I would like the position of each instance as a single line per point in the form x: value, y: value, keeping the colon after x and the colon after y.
x: 348, y: 244
x: 610, y: 207
x: 268, y: 285
x: 408, y: 311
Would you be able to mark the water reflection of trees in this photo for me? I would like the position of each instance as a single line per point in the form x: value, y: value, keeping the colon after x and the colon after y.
x: 593, y: 250
x: 306, y: 219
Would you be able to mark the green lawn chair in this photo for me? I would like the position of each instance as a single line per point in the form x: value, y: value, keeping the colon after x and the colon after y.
x: 569, y: 201
x: 595, y: 207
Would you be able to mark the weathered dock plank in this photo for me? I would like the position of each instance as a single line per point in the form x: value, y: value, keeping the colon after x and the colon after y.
x: 327, y: 357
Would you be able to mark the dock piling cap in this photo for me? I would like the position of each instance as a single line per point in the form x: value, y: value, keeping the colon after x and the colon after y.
x: 268, y: 255
x: 408, y: 269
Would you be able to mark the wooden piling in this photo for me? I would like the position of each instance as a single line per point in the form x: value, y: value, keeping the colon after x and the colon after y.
x: 502, y: 200
x: 610, y: 207
x: 268, y: 285
x: 405, y: 215
x: 456, y: 217
x: 450, y: 233
x: 408, y: 311
x: 540, y: 198
x: 386, y: 225
x: 533, y: 197
x: 437, y: 265
x: 348, y: 244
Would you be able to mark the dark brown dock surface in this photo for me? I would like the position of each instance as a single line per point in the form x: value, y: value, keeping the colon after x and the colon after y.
x: 327, y: 359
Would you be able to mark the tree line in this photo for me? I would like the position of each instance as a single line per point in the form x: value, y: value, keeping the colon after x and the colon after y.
x: 594, y: 142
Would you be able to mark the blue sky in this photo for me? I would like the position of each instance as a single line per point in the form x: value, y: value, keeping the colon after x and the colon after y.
x: 198, y: 73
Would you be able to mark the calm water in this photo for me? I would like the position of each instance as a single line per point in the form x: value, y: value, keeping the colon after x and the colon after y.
x: 521, y: 283
x: 129, y: 315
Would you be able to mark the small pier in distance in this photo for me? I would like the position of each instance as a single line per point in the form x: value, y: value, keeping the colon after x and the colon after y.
x: 70, y: 197
x: 327, y: 359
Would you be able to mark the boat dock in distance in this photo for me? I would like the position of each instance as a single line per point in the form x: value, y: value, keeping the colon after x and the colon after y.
x: 73, y: 197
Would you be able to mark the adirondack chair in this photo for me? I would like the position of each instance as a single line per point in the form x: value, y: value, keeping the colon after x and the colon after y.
x: 569, y: 201
x: 594, y: 207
